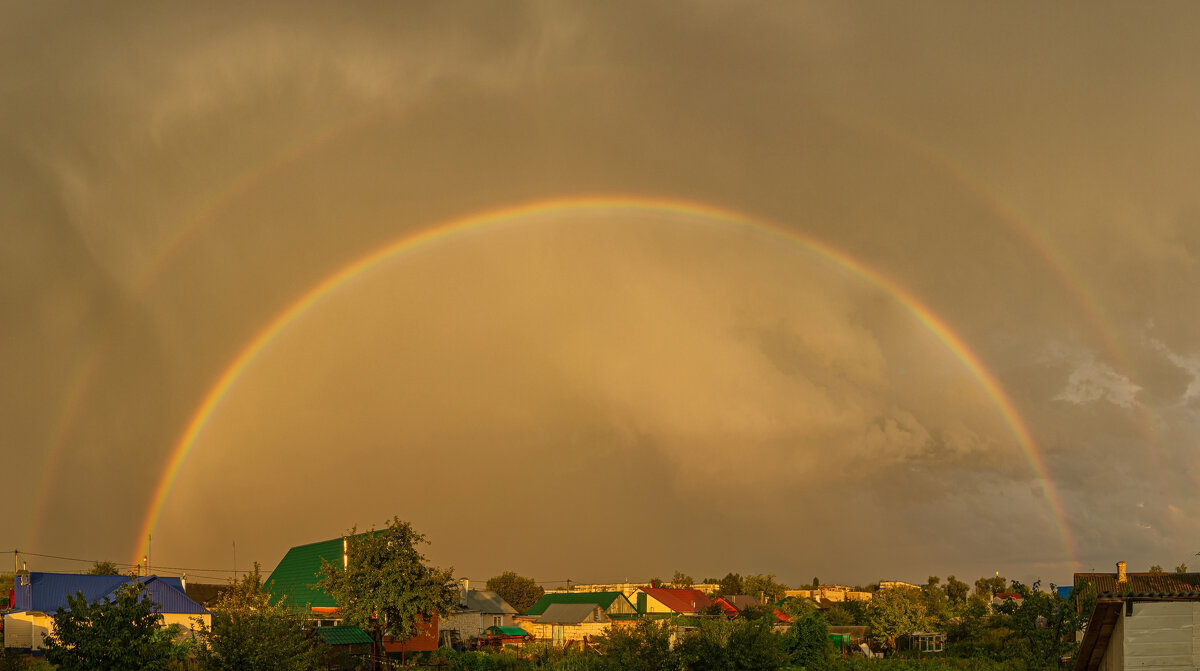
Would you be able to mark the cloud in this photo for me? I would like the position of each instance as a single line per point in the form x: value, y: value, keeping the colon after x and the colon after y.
x: 1091, y: 380
x: 1190, y: 364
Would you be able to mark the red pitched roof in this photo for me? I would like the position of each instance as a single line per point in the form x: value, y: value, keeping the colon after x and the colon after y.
x: 680, y: 600
x: 730, y: 609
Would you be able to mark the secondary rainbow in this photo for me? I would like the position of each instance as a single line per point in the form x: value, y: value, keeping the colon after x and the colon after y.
x: 616, y: 204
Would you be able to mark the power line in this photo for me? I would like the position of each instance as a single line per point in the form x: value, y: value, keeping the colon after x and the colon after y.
x: 128, y: 565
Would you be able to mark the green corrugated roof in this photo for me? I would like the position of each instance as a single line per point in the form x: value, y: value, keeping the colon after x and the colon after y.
x: 300, y: 568
x: 602, y: 599
x: 344, y: 635
x: 506, y: 631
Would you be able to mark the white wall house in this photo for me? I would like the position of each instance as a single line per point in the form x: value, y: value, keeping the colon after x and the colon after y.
x: 1162, y: 634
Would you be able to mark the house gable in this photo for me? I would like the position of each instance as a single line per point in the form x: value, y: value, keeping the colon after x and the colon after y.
x: 299, y: 571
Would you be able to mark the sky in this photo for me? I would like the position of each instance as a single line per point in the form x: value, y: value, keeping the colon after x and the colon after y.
x: 602, y: 291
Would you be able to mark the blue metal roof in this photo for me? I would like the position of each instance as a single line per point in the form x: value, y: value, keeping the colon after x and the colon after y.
x: 46, y: 592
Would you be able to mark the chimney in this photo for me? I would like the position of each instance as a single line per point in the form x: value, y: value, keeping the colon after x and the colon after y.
x: 1121, y: 577
x: 465, y: 586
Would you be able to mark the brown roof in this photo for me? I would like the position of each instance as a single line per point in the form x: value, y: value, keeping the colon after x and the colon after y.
x: 1157, y: 583
x: 680, y: 600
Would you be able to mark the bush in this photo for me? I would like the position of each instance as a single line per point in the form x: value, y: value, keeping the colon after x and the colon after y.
x: 473, y: 661
x: 644, y: 646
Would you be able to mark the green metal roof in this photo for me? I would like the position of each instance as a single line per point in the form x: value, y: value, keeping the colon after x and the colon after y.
x: 299, y: 569
x: 344, y: 635
x: 602, y: 599
x: 507, y: 631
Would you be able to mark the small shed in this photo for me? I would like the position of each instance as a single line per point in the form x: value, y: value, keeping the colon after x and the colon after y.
x: 347, y: 645
x: 500, y: 636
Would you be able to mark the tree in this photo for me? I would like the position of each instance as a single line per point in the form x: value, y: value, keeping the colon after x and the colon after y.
x: 386, y: 586
x: 250, y: 632
x: 119, y: 635
x: 730, y: 585
x: 895, y: 611
x: 647, y: 645
x: 104, y: 568
x: 753, y: 644
x: 1156, y: 569
x: 816, y: 583
x: 682, y: 580
x: 6, y: 585
x: 723, y: 645
x: 794, y: 606
x: 935, y: 601
x: 1182, y: 568
x: 957, y: 592
x: 807, y: 641
x: 520, y: 592
x: 764, y: 588
x: 847, y: 613
x: 990, y: 587
x: 1042, y: 627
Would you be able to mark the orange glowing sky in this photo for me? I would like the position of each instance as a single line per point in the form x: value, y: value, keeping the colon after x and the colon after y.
x: 776, y: 286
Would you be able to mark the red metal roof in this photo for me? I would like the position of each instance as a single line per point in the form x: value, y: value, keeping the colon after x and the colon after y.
x: 680, y: 600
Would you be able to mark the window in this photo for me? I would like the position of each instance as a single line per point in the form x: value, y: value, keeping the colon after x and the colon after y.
x: 497, y: 620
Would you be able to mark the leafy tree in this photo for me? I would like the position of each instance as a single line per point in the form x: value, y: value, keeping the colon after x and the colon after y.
x: 794, y: 606
x: 753, y: 644
x: 707, y: 646
x: 807, y: 641
x: 6, y: 585
x: 1182, y: 568
x: 104, y: 568
x: 730, y: 585
x: 682, y: 580
x: 386, y: 584
x: 725, y: 645
x: 1042, y: 628
x: 934, y: 600
x: 1157, y: 569
x: 972, y: 621
x: 894, y: 612
x: 764, y: 587
x: 250, y: 632
x: 816, y: 583
x: 119, y: 635
x: 847, y: 613
x: 957, y: 592
x: 520, y: 592
x: 990, y: 587
x: 646, y: 645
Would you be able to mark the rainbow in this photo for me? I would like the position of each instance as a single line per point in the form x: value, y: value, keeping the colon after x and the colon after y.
x: 256, y: 175
x: 615, y: 204
x: 1068, y: 275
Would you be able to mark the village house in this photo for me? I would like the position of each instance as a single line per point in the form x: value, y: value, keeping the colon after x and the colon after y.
x: 566, y: 623
x: 614, y: 604
x: 36, y: 597
x: 590, y: 613
x: 477, y: 611
x: 294, y: 580
x: 667, y: 600
x: 1140, y: 620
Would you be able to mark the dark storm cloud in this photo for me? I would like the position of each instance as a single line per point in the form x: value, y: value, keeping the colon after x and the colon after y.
x: 175, y: 176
